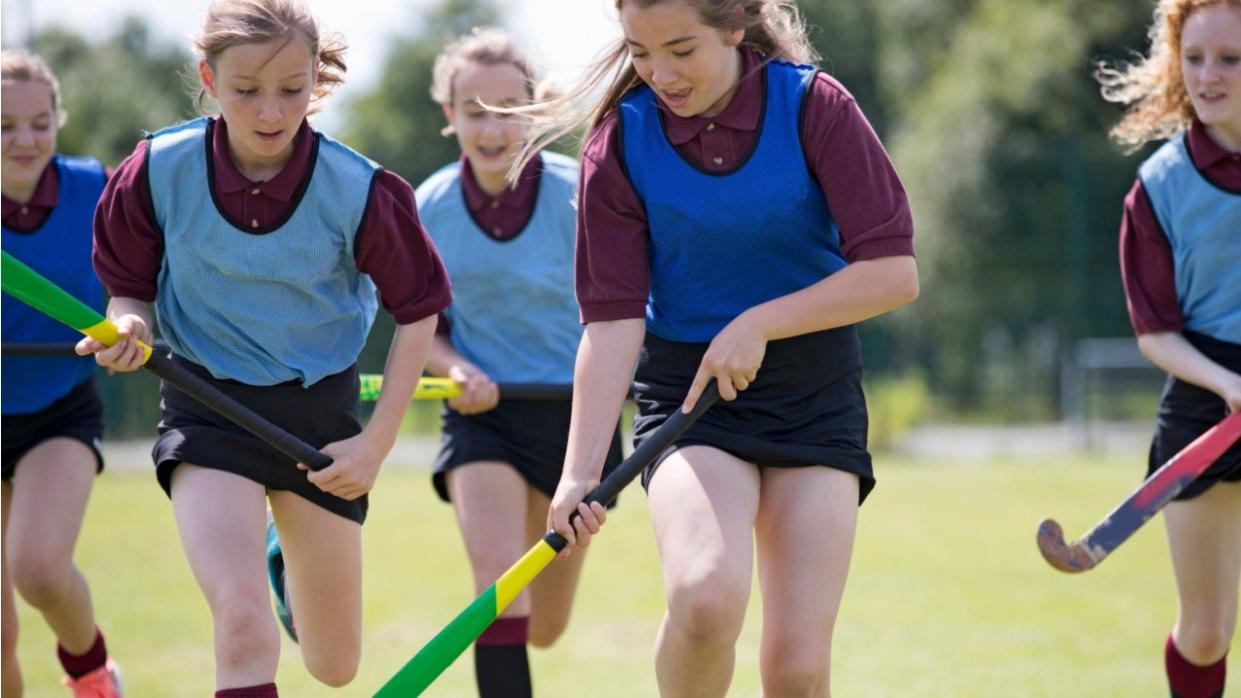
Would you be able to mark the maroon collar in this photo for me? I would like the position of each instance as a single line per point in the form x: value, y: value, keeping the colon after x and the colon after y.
x: 230, y: 180
x: 740, y: 114
x: 46, y: 192
x: 476, y: 199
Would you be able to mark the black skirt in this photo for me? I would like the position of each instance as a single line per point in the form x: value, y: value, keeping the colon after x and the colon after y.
x: 805, y: 408
x: 1187, y: 411
x: 530, y: 435
x: 78, y: 415
x: 190, y: 432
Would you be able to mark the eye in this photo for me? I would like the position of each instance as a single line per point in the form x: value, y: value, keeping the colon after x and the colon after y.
x: 246, y: 91
x: 638, y: 56
x: 1231, y: 59
x: 292, y: 91
x: 1193, y: 59
x: 683, y: 54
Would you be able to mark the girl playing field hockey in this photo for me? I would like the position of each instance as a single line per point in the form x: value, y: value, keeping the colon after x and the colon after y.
x: 1180, y: 258
x: 737, y: 217
x: 258, y: 238
x: 514, y: 319
x: 53, y: 418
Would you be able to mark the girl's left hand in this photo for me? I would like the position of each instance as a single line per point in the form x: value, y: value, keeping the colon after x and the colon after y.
x: 733, y: 359
x: 355, y: 465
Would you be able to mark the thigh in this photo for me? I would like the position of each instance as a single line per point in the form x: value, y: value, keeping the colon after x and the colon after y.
x: 49, y: 491
x: 805, y: 528
x: 489, y: 500
x: 221, y: 520
x: 323, y: 561
x: 1204, y: 534
x: 703, y: 505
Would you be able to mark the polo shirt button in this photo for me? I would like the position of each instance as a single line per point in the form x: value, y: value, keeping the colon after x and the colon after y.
x: 255, y: 191
x: 495, y: 204
x: 496, y: 231
x: 25, y: 210
x: 711, y: 127
x: 718, y: 161
x: 254, y: 222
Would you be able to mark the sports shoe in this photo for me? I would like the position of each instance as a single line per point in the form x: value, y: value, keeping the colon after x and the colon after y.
x: 279, y: 584
x: 104, y: 682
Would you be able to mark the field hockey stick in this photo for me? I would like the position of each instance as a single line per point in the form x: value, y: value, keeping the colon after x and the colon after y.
x: 28, y: 286
x: 431, y: 388
x: 1151, y: 496
x: 443, y: 649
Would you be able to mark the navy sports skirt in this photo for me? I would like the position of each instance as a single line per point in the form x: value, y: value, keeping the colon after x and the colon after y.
x: 805, y: 408
x: 78, y: 416
x: 191, y: 432
x: 1187, y: 411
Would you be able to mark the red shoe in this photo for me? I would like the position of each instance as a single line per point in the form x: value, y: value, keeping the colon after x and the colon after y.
x: 104, y: 682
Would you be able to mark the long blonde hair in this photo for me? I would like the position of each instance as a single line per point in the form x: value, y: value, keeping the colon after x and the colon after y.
x: 22, y: 66
x: 1153, y: 87
x: 234, y: 22
x: 773, y: 27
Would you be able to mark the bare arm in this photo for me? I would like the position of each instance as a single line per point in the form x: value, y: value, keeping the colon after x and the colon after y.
x: 858, y: 292
x: 1174, y: 354
x: 604, y: 370
x: 133, y: 324
x: 478, y: 392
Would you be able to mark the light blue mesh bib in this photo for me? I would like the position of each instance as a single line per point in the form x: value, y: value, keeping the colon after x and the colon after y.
x: 1203, y: 225
x: 282, y: 305
x: 514, y: 313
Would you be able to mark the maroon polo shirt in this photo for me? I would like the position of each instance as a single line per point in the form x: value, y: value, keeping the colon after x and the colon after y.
x: 391, y: 246
x: 504, y: 215
x: 1146, y: 266
x: 841, y: 149
x: 32, y: 214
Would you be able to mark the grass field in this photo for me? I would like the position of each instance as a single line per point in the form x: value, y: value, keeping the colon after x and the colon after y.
x: 948, y: 595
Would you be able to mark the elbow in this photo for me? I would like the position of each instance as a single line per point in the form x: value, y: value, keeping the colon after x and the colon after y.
x: 907, y: 287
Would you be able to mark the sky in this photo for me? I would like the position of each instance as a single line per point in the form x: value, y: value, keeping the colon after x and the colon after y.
x: 563, y: 35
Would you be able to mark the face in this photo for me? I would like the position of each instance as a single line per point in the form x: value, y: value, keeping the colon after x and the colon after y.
x: 28, y: 119
x: 691, y: 66
x: 264, y: 92
x: 490, y: 141
x: 1211, y: 65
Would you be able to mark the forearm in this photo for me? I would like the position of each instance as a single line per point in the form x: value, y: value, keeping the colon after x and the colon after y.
x: 120, y: 305
x: 443, y: 356
x: 1173, y: 353
x: 406, y: 357
x: 858, y: 292
x: 605, y: 361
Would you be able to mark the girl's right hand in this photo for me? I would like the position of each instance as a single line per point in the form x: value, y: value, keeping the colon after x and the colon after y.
x: 478, y: 392
x: 1231, y: 392
x: 126, y: 354
x: 568, y: 499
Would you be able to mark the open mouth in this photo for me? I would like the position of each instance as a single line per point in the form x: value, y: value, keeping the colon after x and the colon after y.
x: 676, y: 98
x: 492, y: 151
x: 268, y: 136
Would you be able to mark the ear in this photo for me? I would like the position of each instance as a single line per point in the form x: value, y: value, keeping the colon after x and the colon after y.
x: 734, y: 37
x: 207, y: 77
x: 448, y: 115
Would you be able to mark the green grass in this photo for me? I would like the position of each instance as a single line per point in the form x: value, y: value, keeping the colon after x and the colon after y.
x: 948, y: 595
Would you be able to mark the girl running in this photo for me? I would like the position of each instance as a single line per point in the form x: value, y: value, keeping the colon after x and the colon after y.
x: 1179, y: 258
x: 257, y: 239
x: 53, y: 419
x: 737, y: 217
x: 513, y: 319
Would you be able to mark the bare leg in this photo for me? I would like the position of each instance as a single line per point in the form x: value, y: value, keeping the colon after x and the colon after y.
x: 1204, y: 535
x: 551, y: 593
x: 10, y: 670
x: 323, y: 561
x: 221, y: 518
x: 49, y: 493
x: 703, y: 506
x: 489, y: 499
x: 806, y: 522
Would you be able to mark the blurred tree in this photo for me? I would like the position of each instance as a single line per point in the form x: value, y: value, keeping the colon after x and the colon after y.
x: 117, y: 89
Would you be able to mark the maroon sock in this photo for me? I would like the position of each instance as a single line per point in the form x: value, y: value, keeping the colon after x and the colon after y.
x: 1189, y: 680
x: 501, y: 665
x: 267, y: 690
x: 79, y: 665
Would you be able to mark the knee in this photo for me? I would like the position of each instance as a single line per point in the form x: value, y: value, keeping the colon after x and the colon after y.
x: 708, y: 612
x: 40, y: 580
x: 245, y: 631
x: 795, y: 676
x: 335, y: 671
x: 1204, y: 643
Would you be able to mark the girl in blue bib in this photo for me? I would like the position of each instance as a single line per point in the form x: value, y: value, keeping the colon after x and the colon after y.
x: 1180, y: 248
x: 513, y: 319
x: 737, y: 218
x: 53, y: 419
x: 261, y: 244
